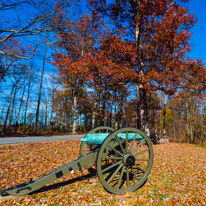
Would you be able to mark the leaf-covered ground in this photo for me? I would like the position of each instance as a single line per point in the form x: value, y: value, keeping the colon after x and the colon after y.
x: 178, y: 176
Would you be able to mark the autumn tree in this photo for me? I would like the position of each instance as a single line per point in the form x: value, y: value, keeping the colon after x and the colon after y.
x: 160, y: 32
x: 107, y: 66
x: 188, y: 105
x: 74, y: 40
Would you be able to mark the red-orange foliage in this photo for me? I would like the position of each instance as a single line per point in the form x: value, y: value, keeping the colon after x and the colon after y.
x: 160, y: 31
x: 73, y: 44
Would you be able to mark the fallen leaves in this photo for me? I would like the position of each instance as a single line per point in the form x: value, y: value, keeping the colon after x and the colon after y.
x: 178, y: 176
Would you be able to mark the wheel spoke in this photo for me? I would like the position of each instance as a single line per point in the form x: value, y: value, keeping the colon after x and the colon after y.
x: 116, y: 150
x: 126, y: 142
x: 133, y: 140
x: 137, y: 159
x: 120, y: 178
x: 145, y: 150
x: 120, y: 144
x: 111, y: 166
x: 135, y: 175
x: 127, y: 173
x: 115, y: 172
x: 142, y: 142
x: 112, y: 158
x: 139, y: 168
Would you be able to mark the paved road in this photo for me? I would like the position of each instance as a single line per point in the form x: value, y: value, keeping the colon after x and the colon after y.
x: 13, y: 140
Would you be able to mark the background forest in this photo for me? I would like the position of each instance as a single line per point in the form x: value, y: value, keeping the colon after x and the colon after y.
x: 69, y: 66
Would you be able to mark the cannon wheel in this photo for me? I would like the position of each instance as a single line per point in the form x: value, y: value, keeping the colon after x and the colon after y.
x: 84, y: 149
x: 124, y: 164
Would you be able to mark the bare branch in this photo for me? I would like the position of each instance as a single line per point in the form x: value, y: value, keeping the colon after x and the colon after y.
x: 12, y: 6
x: 24, y: 32
x: 19, y: 56
x: 37, y: 25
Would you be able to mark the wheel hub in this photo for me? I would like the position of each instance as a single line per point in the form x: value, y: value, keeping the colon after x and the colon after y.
x: 129, y: 160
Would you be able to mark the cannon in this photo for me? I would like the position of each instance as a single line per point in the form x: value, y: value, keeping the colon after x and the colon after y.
x: 122, y: 160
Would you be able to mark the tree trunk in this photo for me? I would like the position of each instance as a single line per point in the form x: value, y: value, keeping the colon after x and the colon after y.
x: 124, y: 123
x: 94, y: 111
x: 144, y: 112
x: 27, y: 101
x: 80, y: 122
x: 115, y: 113
x: 138, y: 107
x: 153, y: 130
x: 52, y: 108
x: 94, y: 115
x: 74, y: 125
x: 121, y: 115
x: 12, y: 107
x: 46, y: 114
x: 40, y: 88
x: 17, y: 118
x: 103, y: 113
x: 164, y: 116
x: 2, y: 114
x: 8, y: 110
x: 174, y: 134
x: 4, y: 71
x: 202, y: 128
x: 111, y: 114
x: 187, y: 117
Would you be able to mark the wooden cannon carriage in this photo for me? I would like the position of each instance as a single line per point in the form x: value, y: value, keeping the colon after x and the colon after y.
x: 122, y: 160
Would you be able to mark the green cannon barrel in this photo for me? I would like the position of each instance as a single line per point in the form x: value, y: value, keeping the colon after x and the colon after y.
x: 97, y: 139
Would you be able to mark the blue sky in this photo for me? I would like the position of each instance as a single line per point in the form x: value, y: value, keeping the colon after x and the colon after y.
x: 198, y: 39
